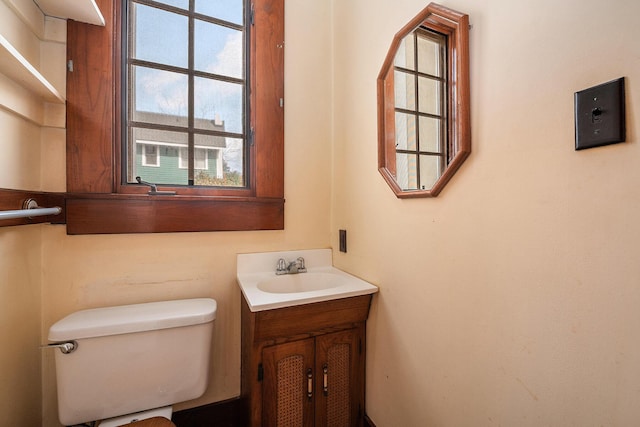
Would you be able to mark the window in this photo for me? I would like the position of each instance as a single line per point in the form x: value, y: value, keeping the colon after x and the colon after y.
x: 200, y: 160
x: 424, y: 130
x: 186, y: 76
x: 101, y: 197
x: 150, y: 155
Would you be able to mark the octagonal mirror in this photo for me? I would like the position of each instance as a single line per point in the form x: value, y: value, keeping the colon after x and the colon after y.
x: 424, y: 130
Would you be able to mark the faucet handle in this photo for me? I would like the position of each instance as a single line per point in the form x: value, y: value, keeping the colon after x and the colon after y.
x: 301, y: 266
x: 281, y: 267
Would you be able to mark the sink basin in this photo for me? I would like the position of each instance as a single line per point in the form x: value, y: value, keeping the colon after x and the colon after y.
x: 302, y: 282
x: 264, y: 290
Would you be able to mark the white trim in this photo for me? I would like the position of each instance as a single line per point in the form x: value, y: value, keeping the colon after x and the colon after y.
x: 173, y: 144
x: 219, y: 166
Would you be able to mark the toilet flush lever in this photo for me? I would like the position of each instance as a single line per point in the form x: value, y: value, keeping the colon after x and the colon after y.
x: 65, y: 347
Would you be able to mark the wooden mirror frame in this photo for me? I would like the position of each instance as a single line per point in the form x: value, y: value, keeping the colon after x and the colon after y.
x: 455, y: 26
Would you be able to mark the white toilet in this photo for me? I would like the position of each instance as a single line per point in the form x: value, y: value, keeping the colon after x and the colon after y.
x: 132, y: 362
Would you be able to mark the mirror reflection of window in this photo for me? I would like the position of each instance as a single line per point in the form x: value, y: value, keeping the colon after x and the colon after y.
x: 423, y: 103
x: 420, y: 109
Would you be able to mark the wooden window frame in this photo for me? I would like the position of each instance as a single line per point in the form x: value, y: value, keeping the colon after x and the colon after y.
x: 96, y: 200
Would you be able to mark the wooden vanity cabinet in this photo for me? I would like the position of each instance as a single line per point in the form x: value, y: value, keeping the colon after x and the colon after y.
x: 305, y: 365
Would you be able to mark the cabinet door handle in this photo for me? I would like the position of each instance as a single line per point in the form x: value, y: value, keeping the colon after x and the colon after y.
x: 325, y: 379
x: 309, y: 383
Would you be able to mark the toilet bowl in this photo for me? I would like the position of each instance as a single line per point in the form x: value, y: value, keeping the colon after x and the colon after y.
x: 131, y: 359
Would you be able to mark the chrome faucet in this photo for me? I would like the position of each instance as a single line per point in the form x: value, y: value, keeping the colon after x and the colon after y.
x: 292, y: 267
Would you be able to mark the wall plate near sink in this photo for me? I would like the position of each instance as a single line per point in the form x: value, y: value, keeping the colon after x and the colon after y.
x: 263, y: 289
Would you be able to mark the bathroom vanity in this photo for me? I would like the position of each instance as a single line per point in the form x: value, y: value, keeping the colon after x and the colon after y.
x: 303, y: 360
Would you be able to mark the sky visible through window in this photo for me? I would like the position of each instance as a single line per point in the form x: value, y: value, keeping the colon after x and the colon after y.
x: 162, y: 37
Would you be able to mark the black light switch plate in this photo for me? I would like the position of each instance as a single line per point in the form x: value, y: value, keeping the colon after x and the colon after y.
x: 600, y: 115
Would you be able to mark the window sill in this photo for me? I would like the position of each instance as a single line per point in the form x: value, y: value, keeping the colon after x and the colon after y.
x: 121, y: 214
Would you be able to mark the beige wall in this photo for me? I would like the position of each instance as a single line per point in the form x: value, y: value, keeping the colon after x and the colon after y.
x: 21, y: 247
x: 20, y: 370
x: 512, y: 298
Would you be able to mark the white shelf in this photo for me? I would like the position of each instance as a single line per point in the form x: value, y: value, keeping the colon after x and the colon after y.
x: 18, y: 69
x: 79, y: 10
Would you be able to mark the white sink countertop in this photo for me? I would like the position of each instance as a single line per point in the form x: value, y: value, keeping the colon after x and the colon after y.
x: 264, y: 290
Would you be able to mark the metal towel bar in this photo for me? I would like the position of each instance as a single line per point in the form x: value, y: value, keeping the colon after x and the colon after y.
x: 30, y: 209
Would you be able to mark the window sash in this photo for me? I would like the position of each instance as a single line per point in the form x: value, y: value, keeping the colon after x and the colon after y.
x: 194, y: 78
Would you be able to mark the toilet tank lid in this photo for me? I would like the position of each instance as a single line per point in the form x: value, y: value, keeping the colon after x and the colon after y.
x: 98, y: 322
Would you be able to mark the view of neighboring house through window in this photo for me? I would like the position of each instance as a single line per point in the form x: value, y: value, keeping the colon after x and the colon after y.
x: 186, y: 97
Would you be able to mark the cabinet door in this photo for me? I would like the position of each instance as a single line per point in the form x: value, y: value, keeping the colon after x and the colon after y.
x: 340, y: 386
x: 287, y: 399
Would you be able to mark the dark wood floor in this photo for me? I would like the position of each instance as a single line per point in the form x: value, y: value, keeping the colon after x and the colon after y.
x: 221, y: 414
x: 225, y: 414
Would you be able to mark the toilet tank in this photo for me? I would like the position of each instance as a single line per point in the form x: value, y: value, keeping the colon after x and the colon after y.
x: 132, y: 358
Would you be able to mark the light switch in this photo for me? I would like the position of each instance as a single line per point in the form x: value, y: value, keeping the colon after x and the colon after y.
x: 600, y: 115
